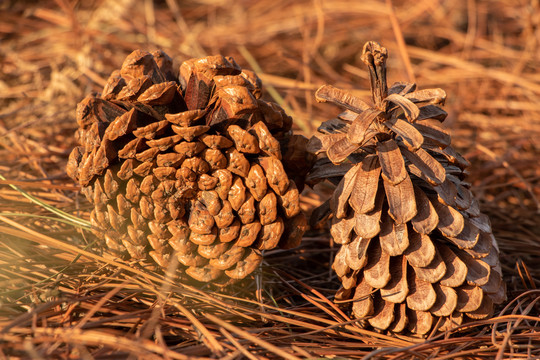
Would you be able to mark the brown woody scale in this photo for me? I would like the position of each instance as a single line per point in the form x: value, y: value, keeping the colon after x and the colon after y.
x: 189, y: 166
x: 416, y: 252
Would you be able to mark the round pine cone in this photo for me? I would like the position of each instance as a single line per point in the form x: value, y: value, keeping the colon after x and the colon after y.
x: 416, y: 252
x: 187, y: 167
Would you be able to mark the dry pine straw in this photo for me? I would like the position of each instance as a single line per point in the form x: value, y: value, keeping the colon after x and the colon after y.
x: 62, y: 298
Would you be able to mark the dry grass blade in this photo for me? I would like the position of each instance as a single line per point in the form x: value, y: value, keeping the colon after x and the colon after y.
x: 32, y: 235
x: 321, y: 298
x: 239, y: 346
x: 52, y: 209
x: 213, y: 344
x: 143, y: 348
x: 272, y: 348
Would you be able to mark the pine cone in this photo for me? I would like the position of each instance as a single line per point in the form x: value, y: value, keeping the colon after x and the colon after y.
x: 188, y: 167
x: 416, y: 252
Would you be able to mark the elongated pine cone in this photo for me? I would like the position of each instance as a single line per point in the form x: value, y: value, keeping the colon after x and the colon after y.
x: 416, y: 252
x: 188, y: 167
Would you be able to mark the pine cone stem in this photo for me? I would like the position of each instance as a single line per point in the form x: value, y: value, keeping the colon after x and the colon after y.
x: 374, y: 56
